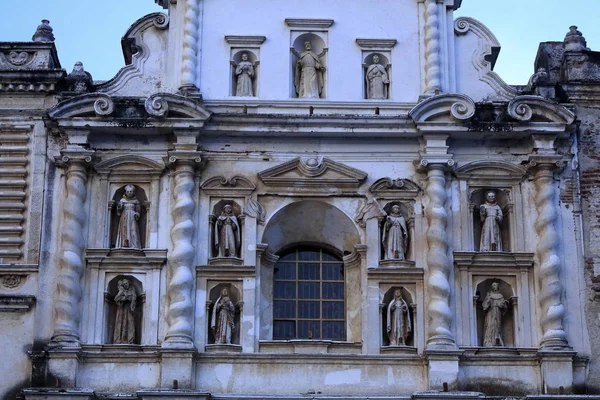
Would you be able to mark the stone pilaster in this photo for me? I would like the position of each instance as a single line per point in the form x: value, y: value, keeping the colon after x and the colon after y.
x: 180, y: 308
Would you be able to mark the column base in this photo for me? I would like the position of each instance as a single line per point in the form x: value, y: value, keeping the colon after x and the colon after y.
x: 63, y: 365
x: 443, y: 369
x: 557, y: 371
x: 177, y: 368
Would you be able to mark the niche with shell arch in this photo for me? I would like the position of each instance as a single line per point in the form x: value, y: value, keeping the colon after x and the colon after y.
x: 407, y: 214
x: 235, y: 61
x: 385, y: 62
x: 216, y: 212
x: 235, y: 297
x: 508, y: 318
x: 142, y: 222
x: 409, y: 299
x: 319, y: 47
x: 112, y: 313
x: 477, y: 198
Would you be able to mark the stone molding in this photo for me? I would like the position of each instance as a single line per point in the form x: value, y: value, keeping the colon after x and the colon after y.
x: 91, y: 105
x: 446, y: 107
x: 221, y: 186
x: 401, y: 189
x: 129, y: 164
x: 125, y: 259
x: 245, y: 40
x: 309, y: 23
x: 376, y: 44
x: 318, y: 174
x: 492, y: 171
x: 538, y: 109
x: 16, y: 303
x: 485, y: 56
x: 28, y: 56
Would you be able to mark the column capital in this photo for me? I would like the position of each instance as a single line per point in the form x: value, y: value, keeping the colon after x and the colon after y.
x: 547, y: 162
x: 80, y: 156
x: 428, y: 163
x: 178, y: 157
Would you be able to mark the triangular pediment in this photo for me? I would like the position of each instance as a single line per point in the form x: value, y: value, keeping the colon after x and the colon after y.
x: 322, y: 173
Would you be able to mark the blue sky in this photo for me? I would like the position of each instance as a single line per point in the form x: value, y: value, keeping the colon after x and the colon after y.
x: 91, y: 31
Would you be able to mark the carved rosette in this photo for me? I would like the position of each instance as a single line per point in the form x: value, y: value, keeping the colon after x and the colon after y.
x: 190, y: 44
x: 553, y: 311
x: 438, y: 281
x: 71, y: 262
x: 433, y: 72
x: 180, y: 309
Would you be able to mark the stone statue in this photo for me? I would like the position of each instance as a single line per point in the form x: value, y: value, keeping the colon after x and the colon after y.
x: 377, y: 80
x: 398, y: 320
x: 79, y: 80
x: 245, y: 73
x: 495, y: 307
x: 128, y: 209
x: 125, y: 319
x: 227, y: 233
x: 395, y: 235
x: 43, y: 33
x: 491, y: 217
x: 222, y: 321
x: 308, y: 77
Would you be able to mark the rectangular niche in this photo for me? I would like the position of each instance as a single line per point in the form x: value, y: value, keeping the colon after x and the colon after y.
x: 497, y: 299
x: 308, y: 57
x: 244, y: 60
x: 377, y: 68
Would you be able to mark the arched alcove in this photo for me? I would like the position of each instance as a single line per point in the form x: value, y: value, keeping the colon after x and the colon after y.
x: 311, y: 221
x: 111, y: 313
x: 508, y: 319
x: 387, y: 299
x: 236, y: 60
x: 478, y: 197
x: 318, y: 47
x: 142, y: 222
x: 407, y: 213
x: 234, y: 296
x: 217, y: 210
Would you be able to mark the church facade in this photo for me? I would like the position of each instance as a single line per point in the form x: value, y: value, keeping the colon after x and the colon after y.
x: 337, y: 201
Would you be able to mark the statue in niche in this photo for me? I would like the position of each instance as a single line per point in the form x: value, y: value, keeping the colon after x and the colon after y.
x: 227, y: 233
x: 491, y: 217
x: 125, y: 319
x: 395, y: 235
x: 495, y: 307
x: 398, y: 320
x: 377, y: 80
x: 308, y: 77
x: 128, y: 209
x: 222, y: 320
x: 244, y: 71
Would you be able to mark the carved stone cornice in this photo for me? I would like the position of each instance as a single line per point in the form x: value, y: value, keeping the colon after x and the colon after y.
x: 29, y: 57
x: 395, y: 188
x: 309, y: 23
x: 16, y: 303
x: 376, y: 44
x: 245, y: 40
x: 220, y: 185
x: 469, y: 259
x: 539, y: 109
x: 443, y: 108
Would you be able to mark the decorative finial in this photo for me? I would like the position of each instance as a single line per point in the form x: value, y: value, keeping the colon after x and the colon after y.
x: 79, y: 80
x: 43, y: 32
x: 574, y: 40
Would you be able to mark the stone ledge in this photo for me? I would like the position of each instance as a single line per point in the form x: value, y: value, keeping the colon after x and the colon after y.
x: 16, y: 303
x: 55, y: 394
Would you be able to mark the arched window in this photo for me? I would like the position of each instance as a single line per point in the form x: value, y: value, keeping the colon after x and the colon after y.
x: 308, y: 295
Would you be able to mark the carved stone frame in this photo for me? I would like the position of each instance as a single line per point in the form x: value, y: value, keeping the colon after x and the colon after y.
x: 250, y: 45
x: 383, y: 48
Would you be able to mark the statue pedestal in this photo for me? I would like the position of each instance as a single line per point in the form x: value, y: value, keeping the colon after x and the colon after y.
x: 557, y: 371
x: 226, y: 261
x: 63, y: 364
x: 177, y: 365
x: 223, y: 348
x: 443, y: 368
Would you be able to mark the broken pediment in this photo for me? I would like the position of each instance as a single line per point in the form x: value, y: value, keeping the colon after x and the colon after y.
x: 219, y: 185
x: 321, y: 173
x: 395, y: 188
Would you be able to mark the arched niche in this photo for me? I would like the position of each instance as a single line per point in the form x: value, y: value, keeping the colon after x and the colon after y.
x: 407, y: 212
x: 111, y: 311
x: 385, y: 62
x: 319, y: 47
x: 311, y: 221
x: 216, y: 212
x: 140, y: 194
x: 478, y: 197
x: 508, y: 319
x: 236, y: 59
x: 409, y: 299
x: 235, y: 297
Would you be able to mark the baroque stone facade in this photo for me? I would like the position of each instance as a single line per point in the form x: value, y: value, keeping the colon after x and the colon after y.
x: 286, y: 215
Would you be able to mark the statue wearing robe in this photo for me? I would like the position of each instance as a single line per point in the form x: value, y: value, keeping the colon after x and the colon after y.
x: 491, y: 217
x: 128, y: 210
x: 495, y: 307
x: 244, y: 72
x: 395, y: 235
x: 125, y: 299
x: 308, y: 77
x: 222, y: 320
x: 398, y: 320
x: 377, y: 81
x: 227, y: 233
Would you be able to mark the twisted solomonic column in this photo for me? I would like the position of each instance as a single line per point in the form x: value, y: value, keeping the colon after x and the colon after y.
x: 189, y: 62
x: 551, y: 288
x: 433, y: 58
x: 71, y: 263
x: 438, y: 281
x: 180, y: 308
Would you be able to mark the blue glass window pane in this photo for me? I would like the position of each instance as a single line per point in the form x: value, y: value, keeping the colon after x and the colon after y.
x: 284, y: 330
x: 332, y: 272
x: 284, y: 309
x: 284, y: 270
x: 307, y: 255
x: 309, y: 271
x: 309, y: 329
x: 288, y: 257
x: 333, y: 290
x: 333, y: 330
x: 308, y: 290
x: 333, y: 310
x: 329, y: 257
x: 308, y: 309
x: 284, y: 290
